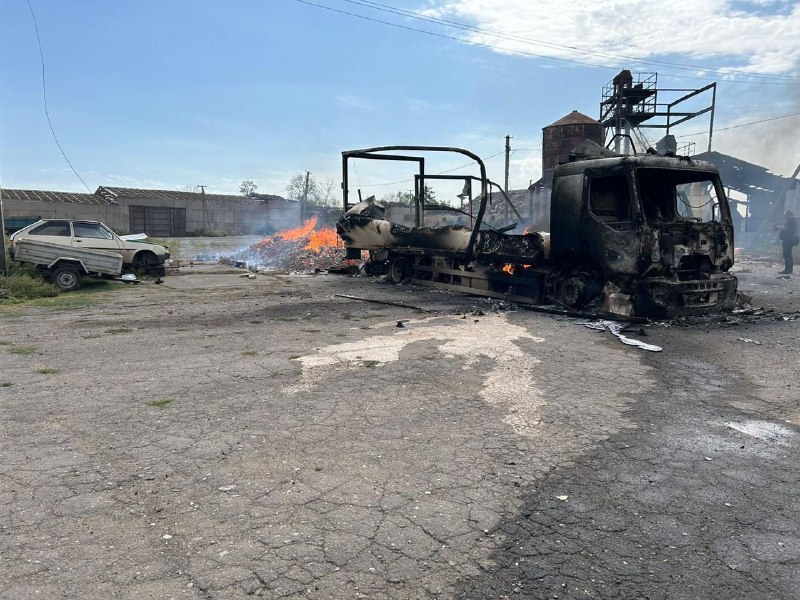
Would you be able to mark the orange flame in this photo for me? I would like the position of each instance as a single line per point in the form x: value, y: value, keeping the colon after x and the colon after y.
x: 298, y: 232
x: 508, y: 268
x: 322, y: 238
x: 316, y: 241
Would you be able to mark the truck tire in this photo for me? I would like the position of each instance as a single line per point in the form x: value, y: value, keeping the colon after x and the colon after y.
x: 66, y: 277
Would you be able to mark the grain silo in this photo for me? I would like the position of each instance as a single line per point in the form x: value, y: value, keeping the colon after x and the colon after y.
x: 561, y: 137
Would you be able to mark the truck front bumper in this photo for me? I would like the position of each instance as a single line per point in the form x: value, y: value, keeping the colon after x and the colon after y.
x: 666, y: 297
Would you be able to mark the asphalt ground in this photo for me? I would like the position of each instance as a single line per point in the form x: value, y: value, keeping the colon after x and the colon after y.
x: 225, y: 437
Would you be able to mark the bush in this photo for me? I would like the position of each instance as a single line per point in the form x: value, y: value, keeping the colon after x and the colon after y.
x: 25, y: 286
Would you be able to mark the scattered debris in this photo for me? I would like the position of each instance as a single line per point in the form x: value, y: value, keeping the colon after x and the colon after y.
x: 616, y: 329
x: 302, y: 249
x: 749, y: 341
x: 226, y: 488
x: 386, y: 302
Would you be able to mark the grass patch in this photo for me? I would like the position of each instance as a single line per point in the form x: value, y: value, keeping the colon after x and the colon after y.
x: 249, y: 353
x: 4, y: 343
x: 22, y: 350
x: 371, y: 364
x: 4, y: 384
x: 116, y: 330
x: 19, y: 287
x: 294, y: 357
x: 162, y: 402
x: 47, y: 371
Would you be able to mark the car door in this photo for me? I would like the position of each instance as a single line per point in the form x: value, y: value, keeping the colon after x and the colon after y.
x: 95, y: 236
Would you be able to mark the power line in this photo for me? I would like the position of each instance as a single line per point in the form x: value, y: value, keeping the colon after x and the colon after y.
x: 573, y: 49
x: 740, y: 125
x: 44, y: 96
x: 520, y: 52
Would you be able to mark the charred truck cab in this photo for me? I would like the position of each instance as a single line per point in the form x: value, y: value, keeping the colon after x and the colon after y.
x: 659, y: 228
x: 643, y: 235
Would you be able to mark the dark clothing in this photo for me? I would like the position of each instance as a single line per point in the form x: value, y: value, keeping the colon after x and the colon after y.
x: 788, y: 237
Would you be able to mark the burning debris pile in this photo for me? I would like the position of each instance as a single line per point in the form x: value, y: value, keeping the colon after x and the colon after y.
x: 303, y: 248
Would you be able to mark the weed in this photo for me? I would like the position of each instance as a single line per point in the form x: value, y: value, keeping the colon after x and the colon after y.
x: 22, y: 350
x: 91, y: 336
x: 371, y: 364
x: 47, y: 371
x: 162, y: 402
x: 249, y: 353
x: 116, y: 330
x: 19, y: 287
x: 4, y: 343
x: 294, y: 357
x: 4, y: 384
x: 256, y: 322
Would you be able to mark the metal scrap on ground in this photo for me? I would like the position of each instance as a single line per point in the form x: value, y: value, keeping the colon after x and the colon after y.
x: 616, y: 329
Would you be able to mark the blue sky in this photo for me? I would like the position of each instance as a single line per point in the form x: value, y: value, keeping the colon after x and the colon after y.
x: 162, y: 94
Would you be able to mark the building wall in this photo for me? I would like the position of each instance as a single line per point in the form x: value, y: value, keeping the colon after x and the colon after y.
x: 115, y: 216
x: 235, y: 217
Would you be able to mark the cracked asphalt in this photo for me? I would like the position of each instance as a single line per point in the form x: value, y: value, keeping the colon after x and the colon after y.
x: 220, y: 437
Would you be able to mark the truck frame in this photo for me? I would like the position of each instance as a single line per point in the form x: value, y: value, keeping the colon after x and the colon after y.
x: 644, y: 235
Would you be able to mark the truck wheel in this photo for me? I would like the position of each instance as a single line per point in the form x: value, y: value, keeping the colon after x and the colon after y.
x: 399, y: 270
x: 577, y: 289
x: 66, y: 278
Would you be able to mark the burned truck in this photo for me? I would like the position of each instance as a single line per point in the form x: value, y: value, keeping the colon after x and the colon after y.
x: 644, y: 235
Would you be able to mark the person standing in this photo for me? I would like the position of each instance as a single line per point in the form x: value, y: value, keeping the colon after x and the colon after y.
x: 788, y: 237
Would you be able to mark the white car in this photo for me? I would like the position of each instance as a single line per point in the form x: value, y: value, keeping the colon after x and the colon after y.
x: 95, y: 235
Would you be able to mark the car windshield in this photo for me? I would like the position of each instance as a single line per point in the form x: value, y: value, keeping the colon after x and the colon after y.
x: 678, y: 195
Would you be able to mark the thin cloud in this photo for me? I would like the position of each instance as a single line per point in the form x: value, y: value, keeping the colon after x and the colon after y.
x: 757, y: 37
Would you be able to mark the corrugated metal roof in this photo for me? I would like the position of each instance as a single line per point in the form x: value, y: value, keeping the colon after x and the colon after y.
x: 134, y: 193
x: 573, y: 118
x: 61, y: 197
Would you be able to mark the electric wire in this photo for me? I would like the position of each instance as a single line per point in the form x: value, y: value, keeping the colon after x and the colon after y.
x: 740, y: 125
x: 513, y: 37
x: 44, y: 97
x: 533, y: 54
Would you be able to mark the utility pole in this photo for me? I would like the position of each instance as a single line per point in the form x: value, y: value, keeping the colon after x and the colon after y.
x: 508, y: 161
x: 3, y: 262
x: 305, y: 199
x: 205, y: 207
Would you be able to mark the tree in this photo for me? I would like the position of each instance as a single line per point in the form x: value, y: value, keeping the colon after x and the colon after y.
x: 408, y: 197
x: 296, y: 188
x: 325, y: 192
x: 247, y: 188
x: 189, y: 187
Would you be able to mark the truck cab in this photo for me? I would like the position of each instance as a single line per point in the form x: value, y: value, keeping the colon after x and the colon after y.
x: 657, y: 227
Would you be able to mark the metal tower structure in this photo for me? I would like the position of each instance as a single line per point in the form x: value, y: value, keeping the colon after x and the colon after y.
x: 634, y: 101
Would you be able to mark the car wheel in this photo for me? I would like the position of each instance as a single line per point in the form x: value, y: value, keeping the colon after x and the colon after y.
x: 66, y: 278
x: 147, y: 262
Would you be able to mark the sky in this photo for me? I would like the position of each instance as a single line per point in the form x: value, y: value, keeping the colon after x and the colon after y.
x: 168, y: 94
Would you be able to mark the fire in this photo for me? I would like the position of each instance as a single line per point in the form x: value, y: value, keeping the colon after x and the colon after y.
x: 299, y: 232
x: 511, y: 268
x: 316, y: 240
x: 322, y: 238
